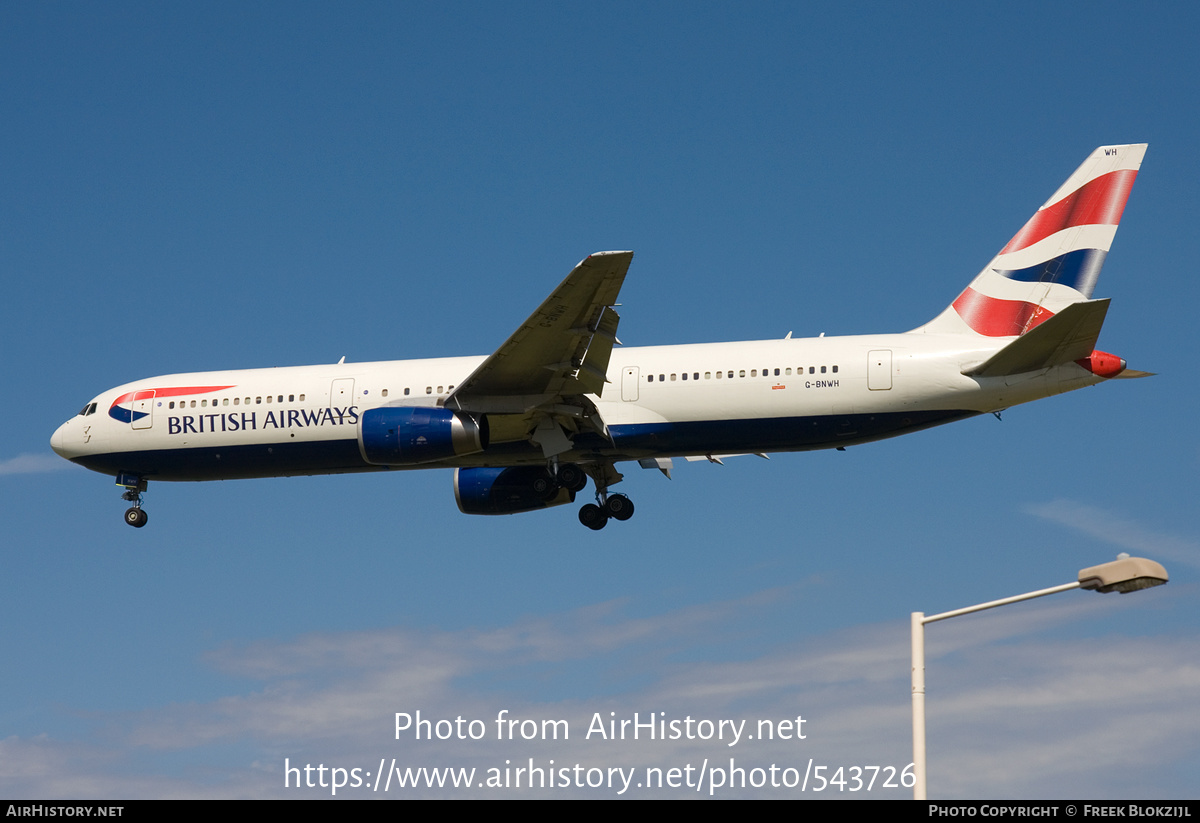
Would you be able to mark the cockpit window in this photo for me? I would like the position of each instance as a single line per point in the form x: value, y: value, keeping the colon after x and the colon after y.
x: 90, y: 408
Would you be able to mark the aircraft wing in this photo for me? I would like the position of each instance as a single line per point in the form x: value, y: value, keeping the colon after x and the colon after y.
x: 560, y: 352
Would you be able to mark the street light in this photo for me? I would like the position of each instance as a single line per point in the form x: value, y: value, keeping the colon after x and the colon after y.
x: 1125, y: 574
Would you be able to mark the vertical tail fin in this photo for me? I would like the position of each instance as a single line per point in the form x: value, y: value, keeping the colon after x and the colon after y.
x: 1055, y: 259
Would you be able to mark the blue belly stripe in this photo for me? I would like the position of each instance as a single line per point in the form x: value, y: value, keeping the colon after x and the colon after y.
x: 630, y: 442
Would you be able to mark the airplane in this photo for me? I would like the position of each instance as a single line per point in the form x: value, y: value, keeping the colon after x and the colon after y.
x: 560, y: 401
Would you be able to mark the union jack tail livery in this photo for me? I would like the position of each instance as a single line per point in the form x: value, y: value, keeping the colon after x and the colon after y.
x: 1054, y: 261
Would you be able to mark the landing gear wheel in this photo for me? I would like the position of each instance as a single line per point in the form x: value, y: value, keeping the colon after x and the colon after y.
x: 618, y: 507
x: 571, y: 477
x: 545, y: 487
x: 593, y: 517
x: 136, y: 517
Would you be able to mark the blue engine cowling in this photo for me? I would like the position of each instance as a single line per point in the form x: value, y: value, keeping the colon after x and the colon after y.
x: 405, y: 436
x: 503, y: 490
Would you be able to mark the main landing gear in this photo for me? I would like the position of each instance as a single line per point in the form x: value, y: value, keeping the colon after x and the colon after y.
x: 573, y: 478
x: 560, y: 476
x: 135, y: 515
x: 616, y: 506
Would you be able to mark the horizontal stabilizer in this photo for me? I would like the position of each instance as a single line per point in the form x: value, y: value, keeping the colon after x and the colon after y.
x: 1067, y: 336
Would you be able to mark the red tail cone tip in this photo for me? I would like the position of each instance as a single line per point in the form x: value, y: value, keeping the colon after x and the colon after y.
x: 1102, y: 364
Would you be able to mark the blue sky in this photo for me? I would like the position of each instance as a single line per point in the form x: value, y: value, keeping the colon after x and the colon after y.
x: 248, y: 185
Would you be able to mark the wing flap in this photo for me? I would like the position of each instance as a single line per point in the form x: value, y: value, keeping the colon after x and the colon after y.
x: 593, y: 369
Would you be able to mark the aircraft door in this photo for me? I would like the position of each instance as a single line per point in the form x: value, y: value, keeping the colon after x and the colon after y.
x: 143, y: 410
x: 341, y: 394
x: 630, y: 377
x: 879, y: 370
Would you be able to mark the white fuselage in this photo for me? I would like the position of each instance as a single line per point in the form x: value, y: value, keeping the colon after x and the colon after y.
x: 661, y: 401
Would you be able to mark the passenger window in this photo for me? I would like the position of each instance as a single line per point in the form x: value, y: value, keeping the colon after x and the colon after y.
x: 406, y: 392
x: 439, y: 390
x: 258, y: 401
x: 301, y: 398
x: 835, y: 369
x: 708, y: 375
x: 822, y: 370
x: 291, y: 398
x: 812, y: 369
x: 695, y: 375
x: 429, y: 389
x: 649, y: 378
x: 720, y: 374
x: 742, y: 373
x: 672, y: 377
x: 235, y: 400
x: 684, y: 375
x: 384, y: 392
x: 754, y: 372
x: 731, y: 375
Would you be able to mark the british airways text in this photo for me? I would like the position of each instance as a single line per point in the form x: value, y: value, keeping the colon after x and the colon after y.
x: 249, y: 421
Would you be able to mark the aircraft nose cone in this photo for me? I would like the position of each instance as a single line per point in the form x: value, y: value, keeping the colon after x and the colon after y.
x: 58, y: 440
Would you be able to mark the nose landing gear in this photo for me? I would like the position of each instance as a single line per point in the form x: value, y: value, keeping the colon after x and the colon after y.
x: 135, y: 515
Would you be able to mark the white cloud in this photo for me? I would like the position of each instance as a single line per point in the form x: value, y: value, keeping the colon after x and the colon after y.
x: 1010, y: 714
x: 32, y: 464
x: 1128, y: 535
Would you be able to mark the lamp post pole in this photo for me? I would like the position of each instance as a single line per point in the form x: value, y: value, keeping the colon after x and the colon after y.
x: 1126, y: 574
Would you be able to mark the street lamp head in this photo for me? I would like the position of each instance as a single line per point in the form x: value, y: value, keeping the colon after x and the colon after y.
x: 1128, y: 574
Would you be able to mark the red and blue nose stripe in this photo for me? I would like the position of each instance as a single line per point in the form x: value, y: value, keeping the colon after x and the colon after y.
x: 119, y: 411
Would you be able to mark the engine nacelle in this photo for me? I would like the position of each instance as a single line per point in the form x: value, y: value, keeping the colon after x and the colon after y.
x: 406, y: 435
x: 503, y: 490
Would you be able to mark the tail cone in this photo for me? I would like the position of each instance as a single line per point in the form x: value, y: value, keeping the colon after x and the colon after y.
x: 1102, y: 364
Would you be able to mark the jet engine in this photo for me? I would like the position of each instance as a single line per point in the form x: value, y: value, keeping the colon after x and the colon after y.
x: 505, y: 490
x: 406, y: 436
